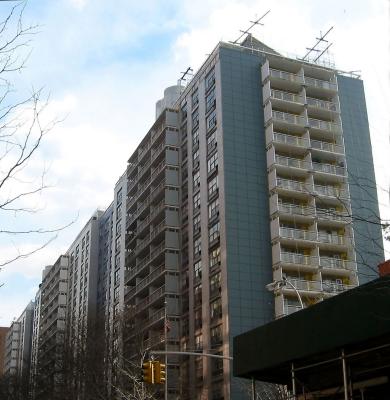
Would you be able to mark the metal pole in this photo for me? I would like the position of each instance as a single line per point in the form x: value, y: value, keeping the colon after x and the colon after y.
x: 253, y: 389
x: 294, y: 390
x: 296, y: 291
x: 344, y: 375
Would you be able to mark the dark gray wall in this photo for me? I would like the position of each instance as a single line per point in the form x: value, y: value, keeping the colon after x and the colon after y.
x: 246, y: 195
x: 361, y: 177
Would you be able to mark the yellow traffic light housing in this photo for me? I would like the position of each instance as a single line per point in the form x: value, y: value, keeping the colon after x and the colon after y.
x: 148, y: 372
x: 160, y: 372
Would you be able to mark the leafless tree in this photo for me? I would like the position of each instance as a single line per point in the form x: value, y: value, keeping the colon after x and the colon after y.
x: 22, y: 132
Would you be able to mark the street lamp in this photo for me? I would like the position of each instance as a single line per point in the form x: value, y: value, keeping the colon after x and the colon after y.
x: 284, y: 282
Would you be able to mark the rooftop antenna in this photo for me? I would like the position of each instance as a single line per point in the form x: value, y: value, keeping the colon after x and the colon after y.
x: 186, y: 76
x: 321, y: 39
x: 257, y: 22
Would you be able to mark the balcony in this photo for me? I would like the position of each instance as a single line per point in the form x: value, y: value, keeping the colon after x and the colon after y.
x: 283, y: 141
x: 297, y: 234
x: 290, y: 308
x: 324, y: 127
x: 297, y: 211
x: 329, y: 214
x: 286, y: 79
x: 334, y: 287
x: 337, y: 263
x: 330, y: 191
x: 289, y: 162
x: 288, y: 120
x: 313, y: 85
x: 290, y: 185
x: 287, y: 101
x: 332, y: 239
x: 298, y: 259
x: 326, y: 146
x: 329, y: 169
x: 303, y: 285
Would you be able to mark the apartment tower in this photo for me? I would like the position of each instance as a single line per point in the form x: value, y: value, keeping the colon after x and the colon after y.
x: 264, y: 161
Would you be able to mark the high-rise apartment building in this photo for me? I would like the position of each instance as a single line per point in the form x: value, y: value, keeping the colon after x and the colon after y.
x: 153, y: 245
x: 50, y: 355
x: 18, y: 349
x: 3, y: 335
x: 269, y: 185
x: 35, y: 341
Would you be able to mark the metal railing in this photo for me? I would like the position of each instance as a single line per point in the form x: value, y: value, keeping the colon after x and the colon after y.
x: 329, y: 169
x: 325, y: 105
x: 292, y: 162
x: 289, y: 118
x: 319, y: 83
x: 275, y: 73
x: 286, y: 96
x: 326, y: 146
x: 290, y: 139
x: 291, y: 184
x: 293, y: 233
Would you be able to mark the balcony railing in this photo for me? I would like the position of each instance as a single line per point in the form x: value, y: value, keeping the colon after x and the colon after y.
x: 332, y: 215
x: 275, y: 73
x: 296, y: 258
x: 325, y: 105
x: 294, y: 209
x: 300, y: 234
x: 300, y: 284
x: 292, y: 162
x: 337, y: 263
x: 324, y: 125
x: 291, y: 184
x: 329, y: 169
x: 330, y: 191
x: 286, y: 96
x: 290, y: 139
x: 291, y: 308
x: 288, y: 118
x: 319, y: 83
x: 326, y: 146
x: 331, y: 238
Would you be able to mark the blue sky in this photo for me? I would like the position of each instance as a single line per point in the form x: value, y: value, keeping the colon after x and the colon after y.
x: 105, y: 64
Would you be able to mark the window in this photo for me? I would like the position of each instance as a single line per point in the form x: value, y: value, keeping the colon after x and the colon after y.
x: 117, y: 260
x: 195, y: 118
x: 210, y: 79
x: 214, y: 232
x: 195, y: 98
x: 195, y: 137
x: 116, y: 293
x: 211, y: 121
x: 198, y: 295
x: 195, y: 158
x: 184, y: 111
x: 196, y: 222
x: 210, y: 100
x: 119, y: 196
x: 118, y: 212
x: 216, y: 309
x: 212, y: 142
x: 196, y: 179
x: 212, y: 162
x: 198, y: 270
x: 197, y: 247
x: 196, y: 201
x: 213, y: 208
x: 215, y: 284
x: 215, y: 257
x: 213, y: 186
x: 216, y: 335
x: 198, y: 342
x: 116, y: 277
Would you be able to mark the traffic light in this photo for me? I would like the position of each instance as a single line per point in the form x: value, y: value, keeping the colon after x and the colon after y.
x: 148, y: 372
x: 160, y: 371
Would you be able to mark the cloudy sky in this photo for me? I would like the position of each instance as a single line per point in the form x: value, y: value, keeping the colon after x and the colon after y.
x: 104, y: 64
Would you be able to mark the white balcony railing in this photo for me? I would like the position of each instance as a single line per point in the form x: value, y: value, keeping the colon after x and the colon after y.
x: 288, y: 118
x: 329, y: 169
x: 297, y: 258
x: 286, y: 96
x: 337, y: 263
x: 292, y: 162
x: 323, y: 125
x: 291, y: 184
x: 330, y: 191
x: 319, y: 83
x: 300, y: 284
x: 331, y: 238
x: 275, y: 73
x: 326, y: 146
x: 325, y: 105
x: 300, y: 234
x: 296, y: 209
x: 290, y: 139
